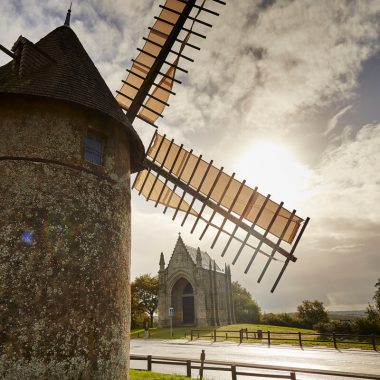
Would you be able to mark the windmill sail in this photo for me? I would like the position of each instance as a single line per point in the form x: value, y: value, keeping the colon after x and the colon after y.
x: 148, y: 86
x: 245, y: 207
x: 153, y: 189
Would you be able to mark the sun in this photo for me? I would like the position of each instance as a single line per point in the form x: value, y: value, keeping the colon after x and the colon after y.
x: 273, y: 169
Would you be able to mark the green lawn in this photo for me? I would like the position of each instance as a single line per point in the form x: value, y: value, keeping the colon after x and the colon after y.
x: 276, y: 337
x: 163, y: 333
x: 140, y: 375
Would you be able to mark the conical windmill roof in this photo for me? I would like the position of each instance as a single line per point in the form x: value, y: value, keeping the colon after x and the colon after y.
x: 58, y: 67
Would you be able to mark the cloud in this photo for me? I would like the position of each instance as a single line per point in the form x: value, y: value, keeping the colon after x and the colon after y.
x: 348, y: 177
x: 333, y: 122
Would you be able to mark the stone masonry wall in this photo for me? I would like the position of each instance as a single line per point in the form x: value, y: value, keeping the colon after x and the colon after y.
x: 64, y: 244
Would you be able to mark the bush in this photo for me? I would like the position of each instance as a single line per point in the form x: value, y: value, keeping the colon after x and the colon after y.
x: 367, y: 325
x: 361, y: 326
x: 339, y: 327
x: 282, y: 319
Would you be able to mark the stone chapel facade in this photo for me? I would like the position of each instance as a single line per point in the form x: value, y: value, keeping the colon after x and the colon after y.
x: 194, y: 285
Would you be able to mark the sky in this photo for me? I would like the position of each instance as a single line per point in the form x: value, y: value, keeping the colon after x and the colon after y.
x: 285, y: 94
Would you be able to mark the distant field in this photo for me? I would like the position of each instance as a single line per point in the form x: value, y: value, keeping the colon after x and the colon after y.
x: 346, y: 315
x: 278, y: 335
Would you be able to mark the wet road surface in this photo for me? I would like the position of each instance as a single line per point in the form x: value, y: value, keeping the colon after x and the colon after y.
x: 348, y: 360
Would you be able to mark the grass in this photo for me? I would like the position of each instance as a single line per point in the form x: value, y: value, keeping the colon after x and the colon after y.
x: 276, y: 338
x: 137, y: 374
x: 163, y: 333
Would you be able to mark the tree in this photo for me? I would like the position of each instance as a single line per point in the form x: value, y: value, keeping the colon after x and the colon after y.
x: 138, y: 314
x: 376, y: 297
x: 246, y: 309
x: 373, y: 311
x: 312, y: 312
x: 145, y: 291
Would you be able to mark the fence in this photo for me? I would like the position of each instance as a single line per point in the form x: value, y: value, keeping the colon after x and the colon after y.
x: 286, y: 336
x: 239, y: 369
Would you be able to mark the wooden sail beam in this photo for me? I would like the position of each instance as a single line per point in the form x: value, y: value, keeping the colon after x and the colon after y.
x: 187, y: 189
x: 291, y: 253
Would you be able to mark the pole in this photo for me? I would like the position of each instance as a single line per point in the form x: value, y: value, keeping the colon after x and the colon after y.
x: 203, y: 357
x: 171, y: 326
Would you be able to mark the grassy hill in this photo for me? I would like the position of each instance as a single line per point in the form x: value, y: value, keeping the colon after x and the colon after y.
x: 277, y: 335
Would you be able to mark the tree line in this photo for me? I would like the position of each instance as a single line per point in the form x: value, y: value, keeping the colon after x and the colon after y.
x: 310, y: 314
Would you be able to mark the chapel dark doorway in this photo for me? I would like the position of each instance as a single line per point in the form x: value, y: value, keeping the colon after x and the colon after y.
x: 188, y: 305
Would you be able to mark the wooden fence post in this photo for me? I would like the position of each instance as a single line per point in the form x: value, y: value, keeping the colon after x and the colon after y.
x: 198, y: 334
x: 226, y: 336
x: 300, y: 338
x: 203, y: 357
x: 241, y: 336
x: 191, y: 336
x: 292, y: 375
x: 138, y: 334
x: 269, y: 338
x: 374, y: 342
x: 188, y: 368
x: 149, y: 367
x: 233, y: 372
x: 214, y: 335
x: 334, y: 338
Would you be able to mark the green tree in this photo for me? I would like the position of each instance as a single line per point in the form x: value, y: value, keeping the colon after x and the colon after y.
x: 312, y: 312
x: 145, y: 291
x: 138, y: 315
x: 373, y: 311
x: 246, y: 309
x: 376, y: 297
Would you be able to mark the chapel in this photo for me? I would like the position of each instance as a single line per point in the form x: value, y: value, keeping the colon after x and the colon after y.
x: 194, y: 286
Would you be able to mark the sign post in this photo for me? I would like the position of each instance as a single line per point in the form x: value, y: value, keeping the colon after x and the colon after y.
x: 171, y: 315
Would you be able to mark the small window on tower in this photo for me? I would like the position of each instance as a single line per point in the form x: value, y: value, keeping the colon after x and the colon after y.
x: 93, y: 150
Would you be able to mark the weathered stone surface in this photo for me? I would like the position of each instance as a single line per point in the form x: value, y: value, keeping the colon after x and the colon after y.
x: 211, y: 287
x: 64, y: 287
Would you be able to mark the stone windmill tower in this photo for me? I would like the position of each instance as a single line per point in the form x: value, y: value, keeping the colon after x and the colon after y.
x: 66, y: 155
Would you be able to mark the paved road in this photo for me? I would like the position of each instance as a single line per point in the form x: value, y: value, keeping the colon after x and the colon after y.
x: 352, y: 360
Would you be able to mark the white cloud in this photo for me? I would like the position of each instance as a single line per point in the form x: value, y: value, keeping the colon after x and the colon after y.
x: 333, y: 122
x: 349, y: 177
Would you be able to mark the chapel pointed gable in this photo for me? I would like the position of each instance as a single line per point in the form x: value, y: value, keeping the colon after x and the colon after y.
x: 181, y: 256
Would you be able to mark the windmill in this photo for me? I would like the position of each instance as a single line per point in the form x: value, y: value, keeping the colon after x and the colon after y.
x: 172, y: 172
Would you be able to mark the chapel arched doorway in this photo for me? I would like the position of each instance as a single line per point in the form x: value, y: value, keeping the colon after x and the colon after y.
x: 188, y: 305
x: 182, y: 300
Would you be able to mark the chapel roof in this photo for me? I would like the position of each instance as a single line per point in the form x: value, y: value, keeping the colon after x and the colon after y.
x: 206, y: 259
x: 58, y: 67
